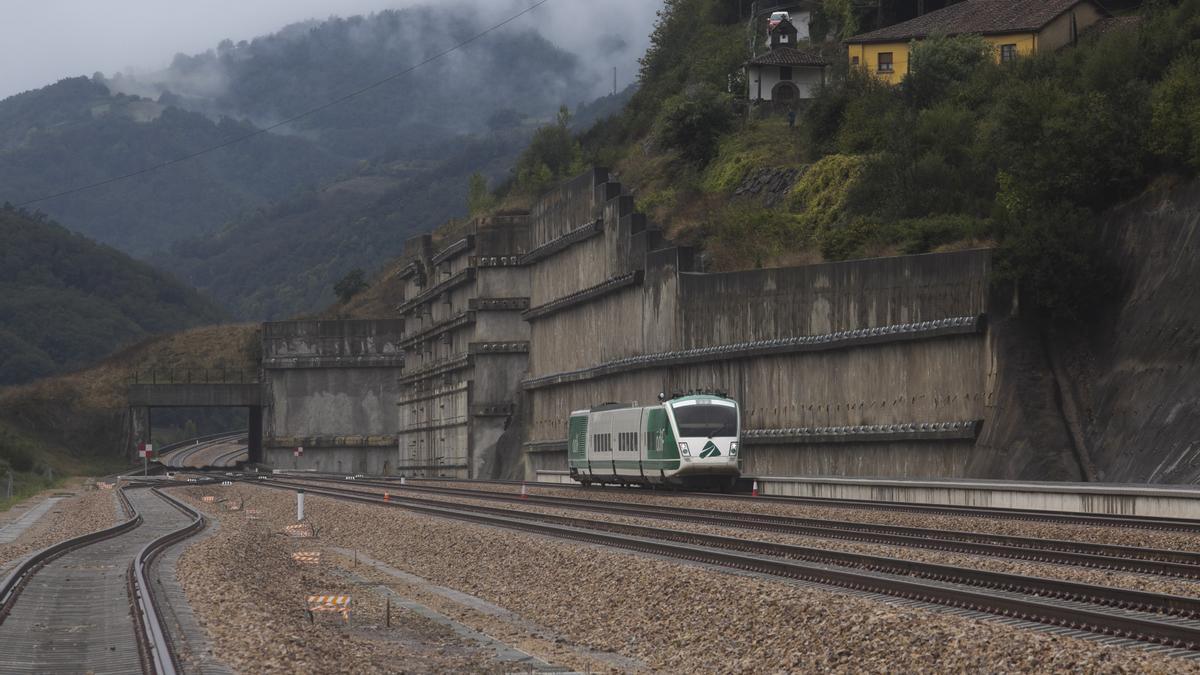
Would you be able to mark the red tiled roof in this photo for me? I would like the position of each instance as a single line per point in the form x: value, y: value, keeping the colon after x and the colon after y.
x: 789, y: 56
x: 975, y: 16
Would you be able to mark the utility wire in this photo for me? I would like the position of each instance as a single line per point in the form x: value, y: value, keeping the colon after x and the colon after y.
x: 306, y: 113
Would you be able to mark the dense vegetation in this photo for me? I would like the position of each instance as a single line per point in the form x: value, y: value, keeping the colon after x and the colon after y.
x: 66, y: 301
x: 76, y: 132
x: 286, y: 259
x: 267, y: 226
x: 490, y: 83
x: 965, y: 152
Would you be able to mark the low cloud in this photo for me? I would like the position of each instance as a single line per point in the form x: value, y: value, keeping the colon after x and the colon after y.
x: 64, y: 38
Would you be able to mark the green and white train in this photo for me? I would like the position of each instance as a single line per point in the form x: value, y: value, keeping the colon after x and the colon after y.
x: 688, y: 441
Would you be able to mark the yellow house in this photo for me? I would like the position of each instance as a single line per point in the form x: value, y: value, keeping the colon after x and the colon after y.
x: 1014, y: 27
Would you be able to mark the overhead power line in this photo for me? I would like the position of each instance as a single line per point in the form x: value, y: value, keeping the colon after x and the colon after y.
x: 306, y: 113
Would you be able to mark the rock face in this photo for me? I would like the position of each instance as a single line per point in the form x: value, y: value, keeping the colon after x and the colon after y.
x: 1136, y: 369
x: 772, y: 185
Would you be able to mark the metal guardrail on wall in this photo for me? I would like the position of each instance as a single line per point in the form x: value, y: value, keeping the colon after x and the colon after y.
x: 195, y: 376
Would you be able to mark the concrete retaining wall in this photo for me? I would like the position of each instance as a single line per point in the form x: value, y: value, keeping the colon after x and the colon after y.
x: 331, y: 387
x: 608, y: 300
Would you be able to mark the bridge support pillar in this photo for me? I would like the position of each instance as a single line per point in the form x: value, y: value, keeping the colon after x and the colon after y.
x: 139, y: 429
x: 254, y: 439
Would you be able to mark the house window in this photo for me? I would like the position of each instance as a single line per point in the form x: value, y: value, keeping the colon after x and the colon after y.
x: 1008, y: 53
x: 785, y: 73
x: 854, y: 60
x: 885, y: 62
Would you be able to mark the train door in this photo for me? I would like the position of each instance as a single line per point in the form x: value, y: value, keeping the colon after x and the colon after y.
x: 599, y: 445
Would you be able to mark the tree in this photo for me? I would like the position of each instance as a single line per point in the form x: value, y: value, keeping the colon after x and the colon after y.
x: 692, y: 122
x: 479, y: 198
x: 553, y: 154
x: 350, y: 285
x: 1175, y: 106
x: 939, y: 63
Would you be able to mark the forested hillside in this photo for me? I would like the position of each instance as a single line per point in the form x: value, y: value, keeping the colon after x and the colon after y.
x: 268, y: 225
x: 285, y: 260
x: 66, y: 301
x: 965, y: 152
x: 76, y: 132
x: 487, y: 84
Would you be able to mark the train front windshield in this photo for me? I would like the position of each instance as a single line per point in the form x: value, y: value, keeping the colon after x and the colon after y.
x: 706, y: 420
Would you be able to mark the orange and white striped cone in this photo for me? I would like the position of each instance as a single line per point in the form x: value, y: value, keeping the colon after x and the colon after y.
x: 387, y: 497
x: 524, y: 491
x: 754, y: 489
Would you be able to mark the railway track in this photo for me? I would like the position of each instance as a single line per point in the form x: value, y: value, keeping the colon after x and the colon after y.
x: 1135, y: 615
x: 86, y: 604
x: 178, y: 458
x: 1030, y: 515
x: 1183, y: 564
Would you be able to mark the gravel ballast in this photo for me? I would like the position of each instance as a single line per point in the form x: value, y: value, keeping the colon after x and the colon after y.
x: 1111, y: 578
x: 249, y: 595
x: 1123, y: 536
x: 1100, y: 577
x: 677, y: 617
x: 87, y: 511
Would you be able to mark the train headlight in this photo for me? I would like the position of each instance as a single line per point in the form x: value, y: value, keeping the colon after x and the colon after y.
x: 733, y: 447
x: 684, y: 449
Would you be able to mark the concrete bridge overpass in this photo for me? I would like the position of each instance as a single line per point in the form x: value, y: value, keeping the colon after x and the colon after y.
x: 144, y: 398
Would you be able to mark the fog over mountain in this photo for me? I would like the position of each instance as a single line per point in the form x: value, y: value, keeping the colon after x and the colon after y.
x: 64, y: 38
x: 266, y: 226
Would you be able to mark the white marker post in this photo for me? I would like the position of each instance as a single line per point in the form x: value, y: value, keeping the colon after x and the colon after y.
x: 299, y: 505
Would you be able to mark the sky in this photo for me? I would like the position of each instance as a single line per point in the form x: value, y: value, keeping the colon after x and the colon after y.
x: 43, y: 41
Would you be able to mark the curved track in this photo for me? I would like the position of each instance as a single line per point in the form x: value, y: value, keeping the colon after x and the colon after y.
x: 1136, y: 615
x: 84, y: 605
x: 221, y: 451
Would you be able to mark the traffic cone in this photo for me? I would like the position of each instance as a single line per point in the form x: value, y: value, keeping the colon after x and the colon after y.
x: 387, y: 497
x: 524, y: 491
x: 402, y: 480
x: 754, y: 489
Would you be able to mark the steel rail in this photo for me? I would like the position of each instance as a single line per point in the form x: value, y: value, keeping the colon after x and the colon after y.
x: 11, y: 587
x: 1131, y: 599
x: 1113, y: 557
x: 1024, y: 603
x: 154, y: 642
x: 222, y: 461
x: 177, y: 459
x: 154, y: 647
x: 179, y: 446
x: 1028, y: 515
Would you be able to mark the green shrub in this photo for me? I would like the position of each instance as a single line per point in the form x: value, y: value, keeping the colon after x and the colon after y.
x: 922, y: 235
x: 848, y: 240
x: 479, y: 199
x: 17, y: 453
x: 350, y: 285
x: 693, y: 121
x: 740, y: 236
x: 553, y: 154
x: 939, y: 63
x: 822, y: 195
x: 759, y: 145
x: 1175, y: 113
x: 1051, y: 249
